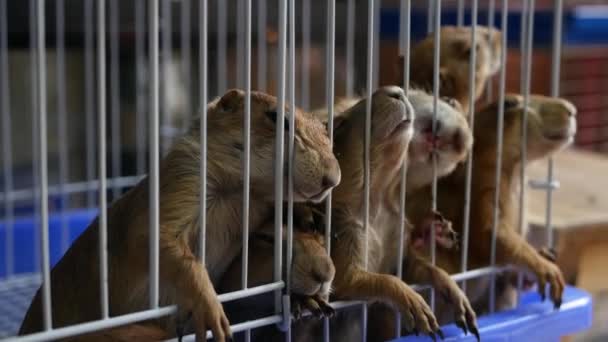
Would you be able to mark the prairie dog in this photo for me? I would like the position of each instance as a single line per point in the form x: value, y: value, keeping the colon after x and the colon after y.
x: 183, y: 279
x: 551, y: 125
x: 391, y: 133
x: 312, y: 273
x: 451, y: 143
x: 455, y: 51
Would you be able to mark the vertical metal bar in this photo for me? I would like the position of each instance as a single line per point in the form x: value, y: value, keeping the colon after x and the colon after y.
x: 115, y: 89
x: 350, y: 48
x: 140, y: 76
x: 469, y: 167
x: 43, y: 166
x: 330, y: 88
x: 35, y: 125
x: 436, y: 55
x: 246, y: 144
x: 429, y: 16
x: 522, y: 43
x: 555, y: 78
x: 460, y: 13
x: 401, y: 244
x: 291, y: 152
x: 167, y: 61
x: 7, y: 147
x: 103, y: 210
x: 376, y: 74
x: 203, y: 78
x: 526, y: 92
x: 247, y: 147
x: 186, y: 54
x: 89, y: 73
x: 154, y: 154
x: 62, y: 121
x: 280, y: 142
x: 367, y: 141
x: 222, y: 37
x: 491, y: 13
x: 305, y: 17
x: 499, y: 141
x: 239, y: 44
x: 262, y: 72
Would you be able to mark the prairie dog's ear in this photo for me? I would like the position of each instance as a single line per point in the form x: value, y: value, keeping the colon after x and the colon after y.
x: 232, y: 100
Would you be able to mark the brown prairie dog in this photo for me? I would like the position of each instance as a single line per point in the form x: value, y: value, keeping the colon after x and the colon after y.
x: 312, y: 272
x: 391, y: 132
x: 183, y: 279
x: 455, y: 48
x: 551, y: 126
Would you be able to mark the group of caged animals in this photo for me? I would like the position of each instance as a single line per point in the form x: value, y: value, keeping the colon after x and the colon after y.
x: 401, y: 132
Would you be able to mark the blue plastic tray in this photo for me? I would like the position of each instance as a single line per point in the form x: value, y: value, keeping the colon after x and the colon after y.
x: 532, y: 321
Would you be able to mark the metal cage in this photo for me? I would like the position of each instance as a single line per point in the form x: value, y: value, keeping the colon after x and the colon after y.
x: 93, y: 92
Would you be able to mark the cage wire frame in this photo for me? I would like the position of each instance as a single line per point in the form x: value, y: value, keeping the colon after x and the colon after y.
x: 149, y: 101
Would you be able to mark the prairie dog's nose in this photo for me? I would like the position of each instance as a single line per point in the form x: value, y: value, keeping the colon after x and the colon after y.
x: 393, y: 92
x: 330, y: 180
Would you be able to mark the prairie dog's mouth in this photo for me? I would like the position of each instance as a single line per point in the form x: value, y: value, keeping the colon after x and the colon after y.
x: 562, y: 134
x: 401, y: 126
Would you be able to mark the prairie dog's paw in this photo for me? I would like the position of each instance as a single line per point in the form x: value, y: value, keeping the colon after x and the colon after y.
x: 548, y: 273
x: 208, y: 313
x: 417, y: 314
x: 445, y: 236
x: 318, y: 306
x: 547, y: 253
x: 465, y: 319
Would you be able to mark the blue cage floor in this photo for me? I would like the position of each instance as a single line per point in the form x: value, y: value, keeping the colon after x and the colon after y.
x: 533, y: 321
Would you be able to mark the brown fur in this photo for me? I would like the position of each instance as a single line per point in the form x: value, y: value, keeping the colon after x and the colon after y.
x: 455, y: 50
x: 183, y: 279
x: 550, y: 126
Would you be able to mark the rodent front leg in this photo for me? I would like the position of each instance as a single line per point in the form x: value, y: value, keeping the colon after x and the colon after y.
x: 419, y: 270
x: 512, y: 248
x: 362, y: 285
x: 195, y: 292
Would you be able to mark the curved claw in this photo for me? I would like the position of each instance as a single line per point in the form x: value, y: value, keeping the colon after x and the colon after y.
x: 462, y: 325
x: 440, y: 333
x: 557, y: 304
x: 475, y: 332
x: 431, y: 335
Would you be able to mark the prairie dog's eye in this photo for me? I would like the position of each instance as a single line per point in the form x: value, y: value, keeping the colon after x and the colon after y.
x: 272, y: 115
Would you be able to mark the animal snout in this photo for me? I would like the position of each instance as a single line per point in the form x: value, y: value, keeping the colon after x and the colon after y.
x: 329, y: 181
x: 394, y: 92
x: 332, y: 176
